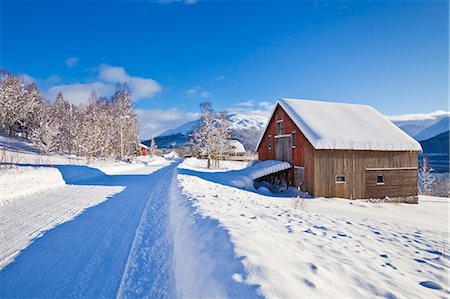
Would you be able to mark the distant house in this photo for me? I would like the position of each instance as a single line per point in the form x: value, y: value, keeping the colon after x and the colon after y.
x: 236, y: 149
x: 171, y: 155
x: 341, y: 150
x: 144, y: 149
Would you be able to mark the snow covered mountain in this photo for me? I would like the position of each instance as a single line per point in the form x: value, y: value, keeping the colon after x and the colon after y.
x: 184, y: 129
x: 423, y: 126
x: 240, y: 124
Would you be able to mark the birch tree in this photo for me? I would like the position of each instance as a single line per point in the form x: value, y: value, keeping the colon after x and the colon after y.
x: 426, y: 178
x: 210, y: 138
x: 17, y: 100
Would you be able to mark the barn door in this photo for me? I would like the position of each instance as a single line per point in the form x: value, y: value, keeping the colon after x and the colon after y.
x: 283, y: 148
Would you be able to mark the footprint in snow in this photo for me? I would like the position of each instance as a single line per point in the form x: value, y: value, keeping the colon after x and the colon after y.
x: 254, y: 217
x: 384, y: 256
x: 309, y: 283
x: 309, y: 231
x: 430, y: 285
x: 242, y: 215
x: 313, y: 267
x: 392, y: 266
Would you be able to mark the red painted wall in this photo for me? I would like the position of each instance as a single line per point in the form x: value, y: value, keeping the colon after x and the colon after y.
x: 302, y: 154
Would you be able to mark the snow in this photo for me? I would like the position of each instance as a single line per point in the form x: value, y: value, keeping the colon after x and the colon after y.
x: 171, y: 155
x: 184, y: 129
x: 17, y: 182
x: 28, y: 218
x: 232, y: 173
x: 329, y: 125
x: 117, y: 243
x: 331, y: 248
x: 236, y: 147
x: 36, y: 199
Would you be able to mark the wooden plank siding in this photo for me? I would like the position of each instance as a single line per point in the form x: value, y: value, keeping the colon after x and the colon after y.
x: 302, y: 154
x: 397, y: 183
x: 353, y: 164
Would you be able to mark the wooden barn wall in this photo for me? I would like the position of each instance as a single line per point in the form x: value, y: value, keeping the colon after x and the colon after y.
x: 397, y: 183
x: 302, y: 154
x: 353, y: 164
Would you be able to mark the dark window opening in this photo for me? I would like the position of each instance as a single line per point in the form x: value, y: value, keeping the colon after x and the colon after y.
x: 270, y: 142
x: 340, y: 179
x: 280, y: 127
x: 380, y: 180
x: 293, y: 139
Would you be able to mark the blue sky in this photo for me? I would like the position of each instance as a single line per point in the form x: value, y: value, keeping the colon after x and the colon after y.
x: 241, y: 56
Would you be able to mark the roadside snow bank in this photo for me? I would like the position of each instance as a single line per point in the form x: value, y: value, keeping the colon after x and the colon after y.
x: 204, y: 261
x: 22, y: 181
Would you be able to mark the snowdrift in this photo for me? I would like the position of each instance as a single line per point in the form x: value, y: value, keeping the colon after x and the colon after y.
x: 21, y: 181
x: 233, y: 174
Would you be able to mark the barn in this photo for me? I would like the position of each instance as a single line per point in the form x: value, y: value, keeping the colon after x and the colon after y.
x: 341, y: 150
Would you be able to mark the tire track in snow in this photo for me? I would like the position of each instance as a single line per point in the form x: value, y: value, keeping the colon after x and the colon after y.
x: 87, y: 257
x: 148, y: 271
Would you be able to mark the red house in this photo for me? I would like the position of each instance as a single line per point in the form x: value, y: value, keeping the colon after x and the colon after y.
x: 341, y: 150
x: 144, y: 149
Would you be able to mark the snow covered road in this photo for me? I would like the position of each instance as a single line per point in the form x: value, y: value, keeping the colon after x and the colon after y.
x: 119, y: 247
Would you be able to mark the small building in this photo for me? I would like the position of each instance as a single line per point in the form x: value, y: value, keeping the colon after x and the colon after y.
x: 171, y: 155
x: 341, y: 150
x: 236, y: 149
x: 144, y: 149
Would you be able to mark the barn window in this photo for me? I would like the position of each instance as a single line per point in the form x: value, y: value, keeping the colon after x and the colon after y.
x: 380, y: 180
x: 280, y: 127
x: 269, y: 145
x: 341, y: 179
x: 293, y: 139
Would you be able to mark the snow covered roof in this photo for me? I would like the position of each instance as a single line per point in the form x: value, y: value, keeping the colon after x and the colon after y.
x: 236, y: 146
x: 143, y: 145
x: 329, y: 125
x: 244, y: 178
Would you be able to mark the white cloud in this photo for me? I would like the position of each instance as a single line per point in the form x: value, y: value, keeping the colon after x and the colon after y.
x: 71, y: 62
x: 262, y: 108
x: 204, y: 94
x: 248, y: 103
x: 266, y: 105
x: 193, y: 90
x: 79, y: 93
x: 28, y: 79
x: 108, y: 76
x: 156, y: 121
x: 197, y: 91
x: 140, y: 87
x: 219, y: 77
x: 418, y: 116
x: 53, y: 79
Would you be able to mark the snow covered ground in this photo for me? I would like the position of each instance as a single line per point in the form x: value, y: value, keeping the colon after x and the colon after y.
x: 137, y: 230
x: 35, y: 198
x: 260, y: 245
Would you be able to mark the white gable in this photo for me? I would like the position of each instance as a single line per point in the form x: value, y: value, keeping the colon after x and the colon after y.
x: 341, y: 126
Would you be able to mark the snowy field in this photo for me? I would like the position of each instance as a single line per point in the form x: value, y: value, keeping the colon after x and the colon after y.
x: 261, y: 245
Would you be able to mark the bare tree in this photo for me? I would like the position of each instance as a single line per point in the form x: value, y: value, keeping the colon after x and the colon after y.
x: 210, y: 138
x: 17, y: 100
x: 426, y: 178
